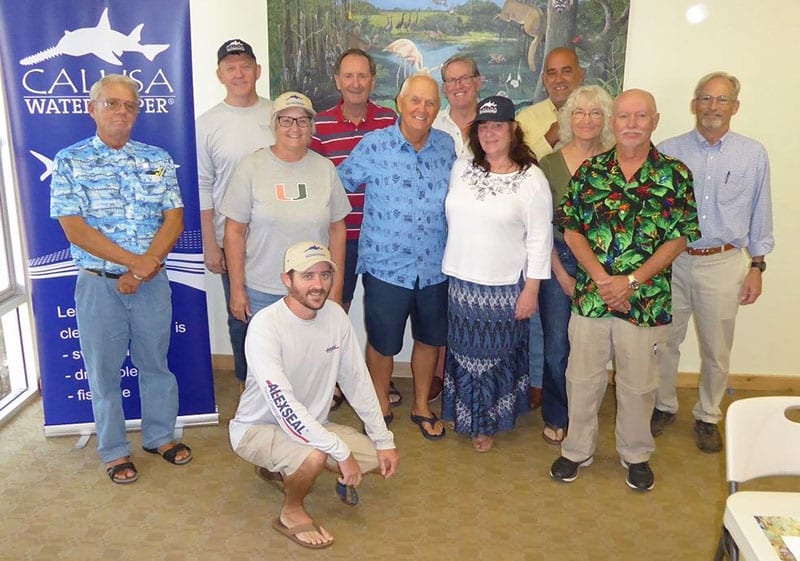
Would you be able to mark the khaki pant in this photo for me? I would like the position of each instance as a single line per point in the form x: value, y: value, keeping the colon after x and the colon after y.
x: 271, y: 448
x: 707, y: 287
x: 636, y: 352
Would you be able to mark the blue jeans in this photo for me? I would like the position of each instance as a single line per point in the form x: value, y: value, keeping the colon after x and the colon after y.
x: 236, y: 331
x: 554, y: 308
x: 536, y: 350
x: 260, y: 300
x: 108, y: 322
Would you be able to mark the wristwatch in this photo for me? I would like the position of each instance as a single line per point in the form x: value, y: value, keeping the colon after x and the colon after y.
x: 633, y: 284
x: 760, y: 265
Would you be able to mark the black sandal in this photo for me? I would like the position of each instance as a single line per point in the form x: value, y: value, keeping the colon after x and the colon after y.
x: 347, y: 494
x: 170, y: 455
x: 114, y: 470
x: 395, y: 397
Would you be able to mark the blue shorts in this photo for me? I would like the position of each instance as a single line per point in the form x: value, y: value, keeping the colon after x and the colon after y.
x: 350, y: 276
x: 387, y: 307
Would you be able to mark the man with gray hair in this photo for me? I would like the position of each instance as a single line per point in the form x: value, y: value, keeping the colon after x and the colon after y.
x: 406, y: 170
x: 627, y: 214
x: 722, y: 269
x: 120, y: 206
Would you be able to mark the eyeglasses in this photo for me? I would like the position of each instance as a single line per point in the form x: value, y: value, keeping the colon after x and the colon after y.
x: 709, y: 99
x: 459, y: 80
x: 286, y: 121
x: 113, y: 104
x: 594, y: 114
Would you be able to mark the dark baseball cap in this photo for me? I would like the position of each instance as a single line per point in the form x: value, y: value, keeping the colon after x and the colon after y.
x: 495, y: 108
x: 234, y: 47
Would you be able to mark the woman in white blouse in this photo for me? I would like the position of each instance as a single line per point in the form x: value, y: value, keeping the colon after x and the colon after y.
x: 500, y: 237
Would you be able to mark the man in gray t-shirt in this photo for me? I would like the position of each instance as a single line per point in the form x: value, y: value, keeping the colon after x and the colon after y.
x: 226, y: 133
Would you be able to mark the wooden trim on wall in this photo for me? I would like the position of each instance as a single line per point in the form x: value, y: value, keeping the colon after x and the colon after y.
x: 779, y: 384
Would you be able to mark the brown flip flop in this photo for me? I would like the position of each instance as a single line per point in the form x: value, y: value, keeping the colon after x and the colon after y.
x: 292, y: 532
x: 556, y: 436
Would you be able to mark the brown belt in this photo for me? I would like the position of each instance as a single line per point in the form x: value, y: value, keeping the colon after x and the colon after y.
x: 709, y: 250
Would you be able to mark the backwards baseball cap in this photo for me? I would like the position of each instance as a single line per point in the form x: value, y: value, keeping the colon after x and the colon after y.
x: 292, y: 99
x: 234, y: 47
x: 495, y: 108
x: 304, y: 255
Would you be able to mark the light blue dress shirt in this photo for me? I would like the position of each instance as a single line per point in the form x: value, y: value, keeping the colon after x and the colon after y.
x: 731, y: 187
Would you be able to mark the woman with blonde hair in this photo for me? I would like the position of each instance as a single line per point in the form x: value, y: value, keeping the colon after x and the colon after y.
x: 585, y: 125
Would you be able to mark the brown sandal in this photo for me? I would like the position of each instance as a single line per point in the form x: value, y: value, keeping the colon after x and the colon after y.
x: 553, y: 435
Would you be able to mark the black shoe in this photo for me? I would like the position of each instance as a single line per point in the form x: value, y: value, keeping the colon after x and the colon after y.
x: 707, y: 437
x: 660, y: 420
x: 640, y: 476
x: 564, y: 469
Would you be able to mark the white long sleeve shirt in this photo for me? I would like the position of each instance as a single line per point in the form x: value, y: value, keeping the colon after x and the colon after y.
x: 292, y: 367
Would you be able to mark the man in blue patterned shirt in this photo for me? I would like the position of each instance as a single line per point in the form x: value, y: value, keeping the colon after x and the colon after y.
x: 406, y: 170
x: 119, y: 204
x: 715, y: 275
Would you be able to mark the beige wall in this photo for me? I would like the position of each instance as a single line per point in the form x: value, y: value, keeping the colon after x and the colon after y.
x: 666, y: 55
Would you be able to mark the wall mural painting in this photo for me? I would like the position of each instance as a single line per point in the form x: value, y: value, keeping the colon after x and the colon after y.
x: 508, y: 39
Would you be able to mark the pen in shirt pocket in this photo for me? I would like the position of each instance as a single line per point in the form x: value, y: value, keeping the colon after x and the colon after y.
x: 727, y: 177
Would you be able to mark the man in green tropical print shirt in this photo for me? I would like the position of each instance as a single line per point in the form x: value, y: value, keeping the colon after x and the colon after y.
x: 628, y: 213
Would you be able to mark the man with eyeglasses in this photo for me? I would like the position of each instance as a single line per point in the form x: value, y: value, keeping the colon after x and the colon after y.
x: 561, y: 74
x: 462, y: 82
x: 235, y: 127
x: 337, y: 131
x: 723, y: 269
x: 120, y: 206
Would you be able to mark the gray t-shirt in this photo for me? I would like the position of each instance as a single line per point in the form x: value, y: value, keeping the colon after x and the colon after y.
x: 283, y: 203
x: 225, y: 134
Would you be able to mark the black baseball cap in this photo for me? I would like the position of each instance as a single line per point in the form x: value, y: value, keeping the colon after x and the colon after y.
x: 495, y: 108
x: 234, y: 47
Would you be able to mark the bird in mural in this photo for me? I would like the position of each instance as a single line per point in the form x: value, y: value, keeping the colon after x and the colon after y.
x: 410, y: 57
x: 388, y: 27
x: 416, y: 22
x: 401, y: 22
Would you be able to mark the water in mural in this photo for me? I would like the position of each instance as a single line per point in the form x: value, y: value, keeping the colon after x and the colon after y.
x: 508, y: 39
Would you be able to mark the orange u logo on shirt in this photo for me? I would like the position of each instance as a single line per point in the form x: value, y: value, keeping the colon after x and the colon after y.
x: 282, y: 195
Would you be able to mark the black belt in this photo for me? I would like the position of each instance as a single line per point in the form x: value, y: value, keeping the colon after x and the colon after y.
x: 106, y: 274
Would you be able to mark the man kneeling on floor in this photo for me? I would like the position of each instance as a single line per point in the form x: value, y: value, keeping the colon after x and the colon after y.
x: 297, y: 350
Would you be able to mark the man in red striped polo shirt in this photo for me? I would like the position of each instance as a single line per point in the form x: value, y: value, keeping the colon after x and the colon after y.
x: 338, y: 130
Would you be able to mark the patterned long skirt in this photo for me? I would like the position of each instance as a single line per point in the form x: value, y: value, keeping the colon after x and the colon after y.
x: 486, y: 384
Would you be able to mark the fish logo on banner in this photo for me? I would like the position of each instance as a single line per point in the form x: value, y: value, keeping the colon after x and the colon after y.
x: 54, y: 90
x: 100, y: 41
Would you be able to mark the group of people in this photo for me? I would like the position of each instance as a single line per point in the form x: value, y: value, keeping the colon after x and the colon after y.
x: 473, y: 221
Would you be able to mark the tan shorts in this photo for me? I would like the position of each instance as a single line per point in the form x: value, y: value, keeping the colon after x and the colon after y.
x: 271, y: 448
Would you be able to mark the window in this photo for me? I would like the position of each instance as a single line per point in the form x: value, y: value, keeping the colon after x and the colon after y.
x: 17, y: 364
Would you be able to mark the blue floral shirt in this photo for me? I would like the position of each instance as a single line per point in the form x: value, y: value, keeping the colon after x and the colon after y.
x: 121, y: 193
x: 404, y: 230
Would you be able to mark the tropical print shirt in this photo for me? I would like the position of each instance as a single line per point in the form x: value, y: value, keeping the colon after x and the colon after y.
x: 625, y: 223
x: 120, y: 193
